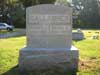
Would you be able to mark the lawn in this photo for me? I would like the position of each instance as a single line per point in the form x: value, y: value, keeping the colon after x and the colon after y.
x: 89, y: 58
x: 5, y: 31
x: 9, y: 50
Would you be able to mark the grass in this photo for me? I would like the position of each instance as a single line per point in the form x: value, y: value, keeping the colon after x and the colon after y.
x: 89, y: 59
x: 5, y: 31
x: 89, y: 50
x: 9, y: 50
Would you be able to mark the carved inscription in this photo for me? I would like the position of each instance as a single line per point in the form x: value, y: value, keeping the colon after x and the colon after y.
x: 49, y: 24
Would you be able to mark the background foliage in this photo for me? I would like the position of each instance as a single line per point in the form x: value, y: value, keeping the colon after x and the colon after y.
x: 86, y: 13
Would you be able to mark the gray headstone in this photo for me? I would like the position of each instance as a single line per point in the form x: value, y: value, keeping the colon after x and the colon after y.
x: 79, y: 30
x: 49, y: 36
x: 95, y: 36
x: 47, y: 28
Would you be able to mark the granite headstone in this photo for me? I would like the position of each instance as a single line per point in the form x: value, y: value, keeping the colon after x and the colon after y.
x: 49, y: 36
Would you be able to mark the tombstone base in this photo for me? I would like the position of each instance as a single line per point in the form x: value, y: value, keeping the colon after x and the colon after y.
x: 48, y: 61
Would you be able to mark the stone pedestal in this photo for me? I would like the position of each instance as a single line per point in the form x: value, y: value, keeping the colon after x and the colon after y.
x: 39, y: 59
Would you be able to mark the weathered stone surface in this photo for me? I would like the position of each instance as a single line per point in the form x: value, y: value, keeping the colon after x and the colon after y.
x: 77, y: 35
x: 45, y: 59
x: 49, y: 36
x: 49, y: 26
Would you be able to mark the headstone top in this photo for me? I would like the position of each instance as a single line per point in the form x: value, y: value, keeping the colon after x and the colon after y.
x: 79, y: 30
x: 50, y: 9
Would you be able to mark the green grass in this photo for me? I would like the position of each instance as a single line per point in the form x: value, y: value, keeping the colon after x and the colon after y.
x: 89, y: 58
x: 5, y: 31
x: 9, y: 50
x: 89, y: 50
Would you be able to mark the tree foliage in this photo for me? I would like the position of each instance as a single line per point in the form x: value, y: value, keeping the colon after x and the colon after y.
x: 88, y: 13
x: 27, y: 3
x: 16, y: 11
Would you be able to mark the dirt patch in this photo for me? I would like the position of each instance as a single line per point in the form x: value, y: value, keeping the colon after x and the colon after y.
x: 89, y: 64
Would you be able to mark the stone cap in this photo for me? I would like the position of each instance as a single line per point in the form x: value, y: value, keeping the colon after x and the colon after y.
x: 49, y: 49
x: 49, y: 9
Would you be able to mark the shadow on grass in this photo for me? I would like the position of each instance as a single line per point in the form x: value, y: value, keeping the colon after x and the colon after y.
x: 17, y: 36
x: 11, y: 34
x: 79, y: 39
x: 12, y: 37
x: 12, y: 71
x: 15, y: 71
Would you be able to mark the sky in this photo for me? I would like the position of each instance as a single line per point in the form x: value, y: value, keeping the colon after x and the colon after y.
x: 69, y: 0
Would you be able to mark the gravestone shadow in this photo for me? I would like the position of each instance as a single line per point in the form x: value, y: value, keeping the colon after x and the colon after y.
x: 15, y: 71
x: 12, y: 71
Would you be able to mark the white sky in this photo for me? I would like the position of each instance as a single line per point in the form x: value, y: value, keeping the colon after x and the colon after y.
x: 69, y: 0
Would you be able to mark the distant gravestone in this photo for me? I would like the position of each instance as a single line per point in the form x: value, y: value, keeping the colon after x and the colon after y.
x: 79, y: 35
x: 49, y: 36
x: 79, y: 30
x: 95, y: 36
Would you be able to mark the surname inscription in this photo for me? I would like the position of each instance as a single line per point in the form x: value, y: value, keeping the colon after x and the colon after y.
x: 49, y: 24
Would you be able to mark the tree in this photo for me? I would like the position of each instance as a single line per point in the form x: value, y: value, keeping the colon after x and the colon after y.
x: 6, y: 7
x: 46, y: 1
x: 28, y: 3
x: 88, y: 13
x: 62, y: 2
x: 2, y: 6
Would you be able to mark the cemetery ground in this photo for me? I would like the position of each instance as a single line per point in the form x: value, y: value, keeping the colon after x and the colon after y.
x: 89, y: 56
x: 5, y: 31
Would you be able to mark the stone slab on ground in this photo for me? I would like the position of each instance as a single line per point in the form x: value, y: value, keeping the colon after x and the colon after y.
x: 39, y: 59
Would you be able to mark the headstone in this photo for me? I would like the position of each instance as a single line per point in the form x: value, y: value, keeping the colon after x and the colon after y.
x: 49, y: 36
x: 78, y: 35
x: 47, y: 28
x: 79, y: 30
x: 95, y: 36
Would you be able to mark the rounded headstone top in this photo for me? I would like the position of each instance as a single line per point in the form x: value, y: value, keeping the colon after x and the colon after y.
x: 49, y: 9
x: 79, y: 30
